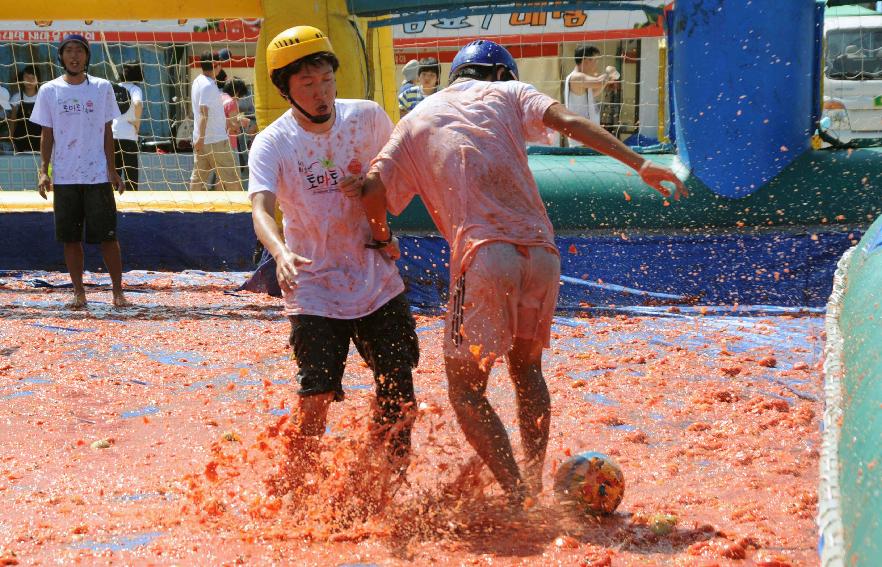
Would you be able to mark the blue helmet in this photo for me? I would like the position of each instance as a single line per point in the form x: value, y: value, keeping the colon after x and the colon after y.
x: 483, y: 52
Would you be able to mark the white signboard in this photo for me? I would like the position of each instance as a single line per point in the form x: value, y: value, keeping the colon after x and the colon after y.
x: 520, y: 23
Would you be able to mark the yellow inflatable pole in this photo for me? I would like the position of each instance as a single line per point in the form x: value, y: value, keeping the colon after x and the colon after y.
x: 385, y: 81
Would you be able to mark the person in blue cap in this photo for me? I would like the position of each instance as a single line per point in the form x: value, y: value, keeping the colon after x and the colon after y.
x: 463, y: 151
x: 76, y: 111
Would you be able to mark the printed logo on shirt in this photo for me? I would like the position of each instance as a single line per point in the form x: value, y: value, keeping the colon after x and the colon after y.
x: 322, y: 176
x: 354, y: 167
x: 74, y: 106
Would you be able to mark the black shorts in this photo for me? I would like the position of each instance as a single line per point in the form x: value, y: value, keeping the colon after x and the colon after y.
x: 386, y: 340
x: 90, y: 206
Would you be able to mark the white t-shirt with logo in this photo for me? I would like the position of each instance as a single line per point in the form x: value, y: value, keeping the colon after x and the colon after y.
x: 122, y: 127
x: 204, y: 92
x: 304, y: 171
x: 77, y: 115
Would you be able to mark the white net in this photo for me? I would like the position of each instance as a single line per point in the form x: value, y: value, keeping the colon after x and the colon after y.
x: 160, y: 59
x: 157, y: 60
x: 626, y: 42
x: 829, y: 496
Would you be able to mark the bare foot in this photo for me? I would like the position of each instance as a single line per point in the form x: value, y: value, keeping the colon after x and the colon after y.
x: 378, y: 473
x: 518, y: 499
x: 471, y: 482
x: 79, y: 300
x: 394, y: 441
x: 119, y: 300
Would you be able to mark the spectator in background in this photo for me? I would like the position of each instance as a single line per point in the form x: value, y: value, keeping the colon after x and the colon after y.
x: 5, y: 107
x: 237, y: 122
x: 246, y: 137
x: 25, y: 134
x: 211, y: 147
x: 584, y: 85
x: 126, y: 127
x: 221, y: 80
x: 221, y: 76
x: 428, y: 73
x: 410, y: 75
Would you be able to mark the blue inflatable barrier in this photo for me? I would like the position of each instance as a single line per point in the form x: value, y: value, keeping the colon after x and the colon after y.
x: 745, y: 106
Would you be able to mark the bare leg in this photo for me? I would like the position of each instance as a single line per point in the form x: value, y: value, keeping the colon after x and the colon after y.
x: 310, y: 427
x: 391, y: 433
x: 113, y: 261
x: 302, y: 443
x: 314, y: 414
x: 467, y: 386
x: 73, y: 258
x: 534, y: 407
x: 376, y: 480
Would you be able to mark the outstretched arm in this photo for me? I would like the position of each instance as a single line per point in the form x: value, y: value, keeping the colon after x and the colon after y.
x: 263, y: 206
x: 593, y: 82
x: 559, y: 118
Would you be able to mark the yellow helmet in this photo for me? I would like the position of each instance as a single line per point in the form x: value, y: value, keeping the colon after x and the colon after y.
x: 293, y: 44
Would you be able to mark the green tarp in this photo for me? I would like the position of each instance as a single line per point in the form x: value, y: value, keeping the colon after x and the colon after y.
x: 860, y: 446
x: 597, y: 192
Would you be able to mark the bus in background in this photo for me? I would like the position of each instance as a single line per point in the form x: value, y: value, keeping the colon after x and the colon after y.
x: 852, y: 73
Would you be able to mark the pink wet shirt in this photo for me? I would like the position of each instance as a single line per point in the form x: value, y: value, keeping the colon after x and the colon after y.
x: 463, y: 151
x: 304, y: 171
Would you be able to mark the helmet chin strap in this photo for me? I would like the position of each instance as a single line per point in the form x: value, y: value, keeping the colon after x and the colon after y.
x: 319, y: 119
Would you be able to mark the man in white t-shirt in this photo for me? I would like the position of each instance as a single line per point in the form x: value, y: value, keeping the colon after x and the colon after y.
x: 463, y: 151
x: 75, y: 111
x: 125, y: 128
x: 338, y: 284
x: 211, y: 147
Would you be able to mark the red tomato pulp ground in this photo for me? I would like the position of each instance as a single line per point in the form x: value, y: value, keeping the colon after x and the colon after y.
x: 152, y: 435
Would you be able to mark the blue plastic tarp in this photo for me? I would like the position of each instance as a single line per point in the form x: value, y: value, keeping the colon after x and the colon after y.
x: 771, y: 269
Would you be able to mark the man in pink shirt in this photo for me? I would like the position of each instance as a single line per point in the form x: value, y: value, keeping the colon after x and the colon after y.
x: 338, y: 284
x: 463, y: 151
